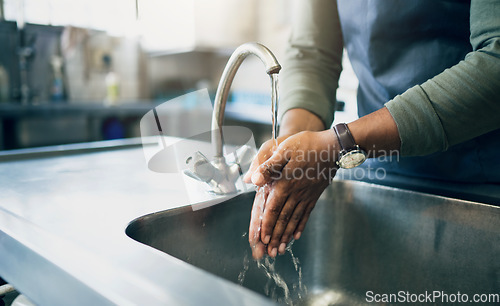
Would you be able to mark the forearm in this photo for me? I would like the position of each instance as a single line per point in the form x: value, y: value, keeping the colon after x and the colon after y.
x: 376, y: 133
x: 297, y: 120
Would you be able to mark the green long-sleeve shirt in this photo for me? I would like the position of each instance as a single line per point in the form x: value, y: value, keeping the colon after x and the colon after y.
x: 456, y: 105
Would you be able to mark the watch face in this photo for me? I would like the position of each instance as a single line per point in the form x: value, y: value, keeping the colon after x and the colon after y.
x: 352, y: 159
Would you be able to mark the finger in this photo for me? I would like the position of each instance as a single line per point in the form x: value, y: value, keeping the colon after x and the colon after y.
x: 258, y: 248
x: 271, y: 168
x: 258, y: 251
x: 264, y: 153
x: 283, y: 231
x: 274, y: 204
x: 248, y: 176
x: 256, y: 216
x: 281, y: 225
x: 303, y: 221
x: 293, y: 223
x: 256, y: 162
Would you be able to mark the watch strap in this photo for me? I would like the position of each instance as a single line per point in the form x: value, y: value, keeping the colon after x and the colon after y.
x: 345, y: 138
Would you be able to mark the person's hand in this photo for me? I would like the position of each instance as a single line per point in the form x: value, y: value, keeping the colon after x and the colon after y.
x: 296, y: 174
x: 265, y: 151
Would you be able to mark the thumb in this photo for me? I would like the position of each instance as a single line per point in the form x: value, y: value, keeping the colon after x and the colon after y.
x: 253, y: 166
x: 271, y: 168
x: 264, y: 153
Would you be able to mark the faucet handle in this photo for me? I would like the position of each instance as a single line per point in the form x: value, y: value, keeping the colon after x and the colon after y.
x: 220, y: 176
x: 244, y: 157
x: 199, y: 167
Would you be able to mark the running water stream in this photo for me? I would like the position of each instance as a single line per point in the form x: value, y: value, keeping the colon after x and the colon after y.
x: 276, y: 287
x: 274, y: 106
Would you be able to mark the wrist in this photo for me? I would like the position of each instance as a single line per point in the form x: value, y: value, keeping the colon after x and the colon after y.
x: 330, y: 145
x: 350, y: 154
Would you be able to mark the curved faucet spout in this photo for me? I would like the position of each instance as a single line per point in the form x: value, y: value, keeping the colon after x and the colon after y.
x: 272, y: 67
x: 220, y: 176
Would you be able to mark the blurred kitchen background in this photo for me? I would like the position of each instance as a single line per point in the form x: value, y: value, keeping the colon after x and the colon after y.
x: 88, y: 70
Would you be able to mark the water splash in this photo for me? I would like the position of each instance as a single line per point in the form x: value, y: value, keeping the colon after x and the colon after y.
x: 246, y: 265
x: 276, y: 287
x: 268, y: 266
x: 300, y: 288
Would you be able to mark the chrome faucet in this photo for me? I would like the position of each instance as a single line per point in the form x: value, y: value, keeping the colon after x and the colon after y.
x: 218, y: 174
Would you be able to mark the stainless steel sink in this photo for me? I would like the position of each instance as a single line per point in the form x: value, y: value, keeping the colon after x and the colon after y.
x: 360, y: 238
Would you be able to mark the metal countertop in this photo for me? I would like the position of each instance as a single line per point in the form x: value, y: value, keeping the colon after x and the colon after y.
x: 62, y: 230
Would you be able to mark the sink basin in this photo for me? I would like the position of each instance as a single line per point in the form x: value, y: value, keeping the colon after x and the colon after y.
x: 360, y: 238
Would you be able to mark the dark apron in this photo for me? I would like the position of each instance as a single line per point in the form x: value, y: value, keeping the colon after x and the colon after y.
x: 396, y: 44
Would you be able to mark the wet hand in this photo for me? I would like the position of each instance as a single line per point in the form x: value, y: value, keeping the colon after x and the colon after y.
x: 265, y: 152
x: 259, y: 249
x: 296, y: 173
